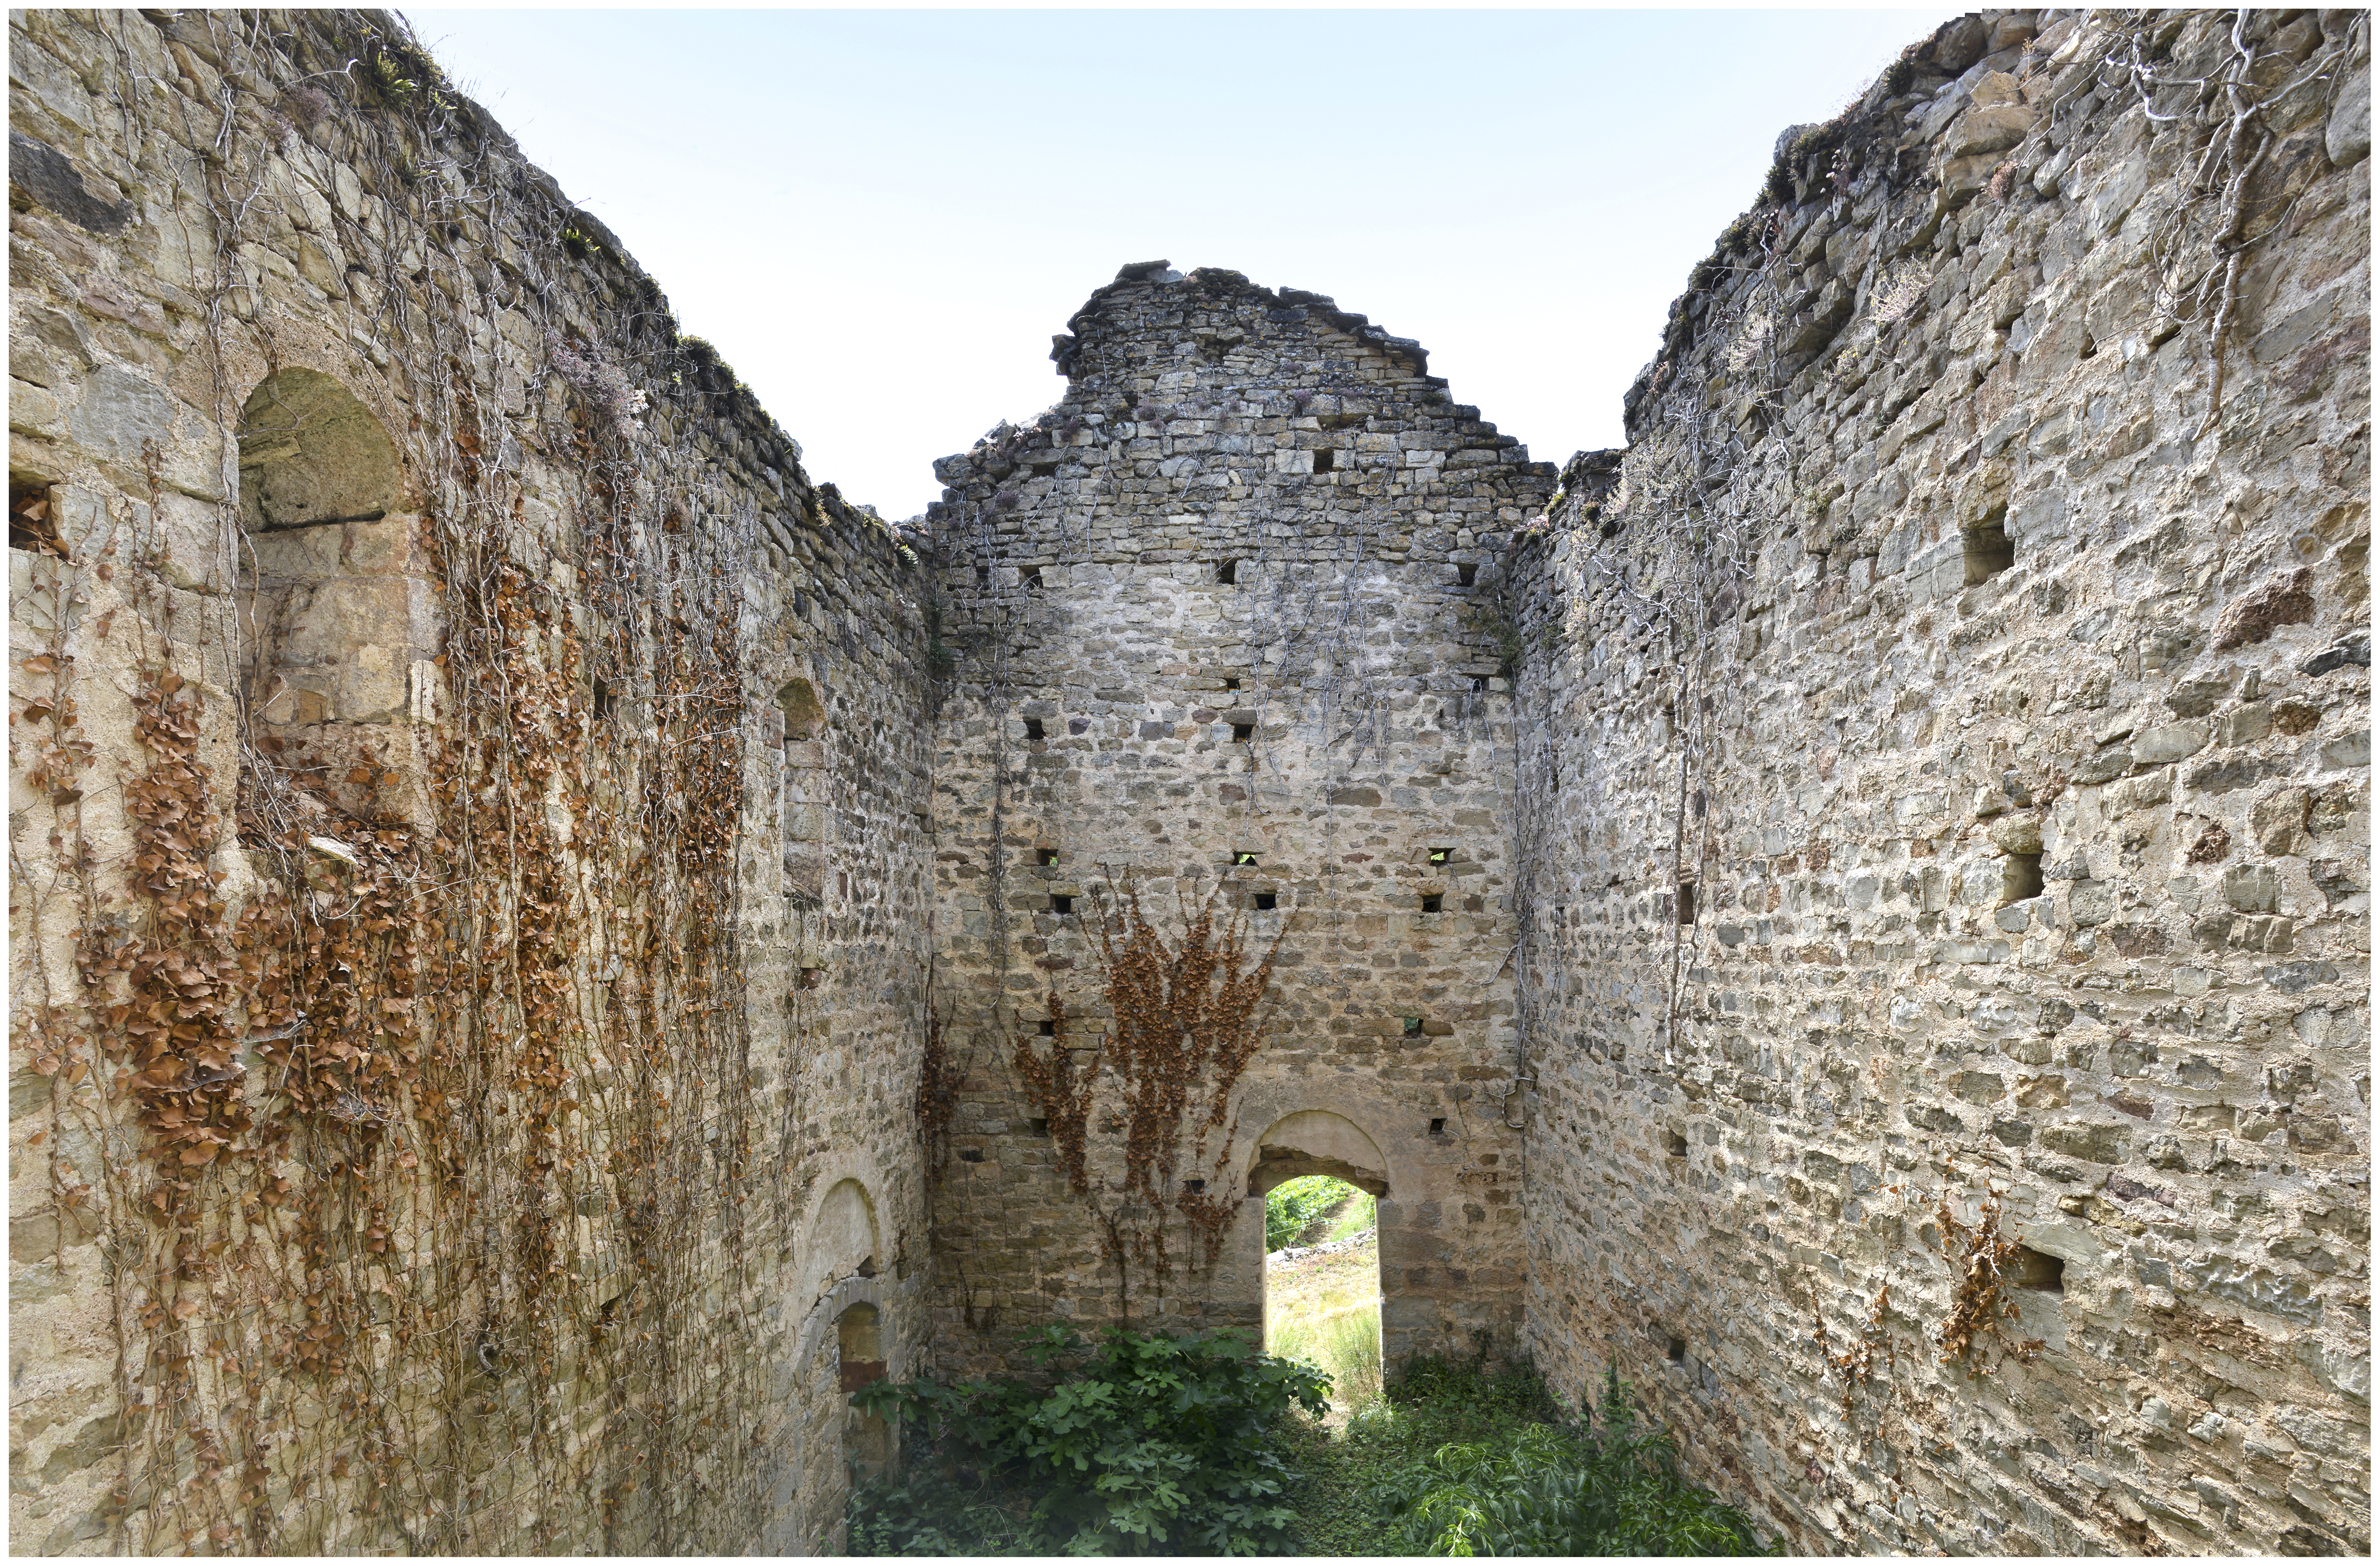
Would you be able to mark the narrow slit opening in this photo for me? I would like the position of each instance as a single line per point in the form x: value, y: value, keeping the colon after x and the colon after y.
x: 1685, y: 902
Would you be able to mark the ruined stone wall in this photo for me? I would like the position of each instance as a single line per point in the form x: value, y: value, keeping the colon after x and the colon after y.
x: 467, y: 808
x: 1951, y: 745
x: 1224, y: 631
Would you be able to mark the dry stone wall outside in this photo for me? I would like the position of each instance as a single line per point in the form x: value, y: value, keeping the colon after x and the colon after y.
x: 383, y: 549
x: 1950, y: 729
x: 1223, y: 624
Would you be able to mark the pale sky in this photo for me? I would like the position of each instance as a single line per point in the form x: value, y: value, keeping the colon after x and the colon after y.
x: 880, y: 218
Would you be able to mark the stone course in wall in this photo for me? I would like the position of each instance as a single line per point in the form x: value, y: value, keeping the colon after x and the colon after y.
x: 325, y: 405
x: 1949, y: 743
x: 1225, y: 623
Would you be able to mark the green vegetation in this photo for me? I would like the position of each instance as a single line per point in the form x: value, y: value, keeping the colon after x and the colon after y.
x: 1152, y: 1445
x: 1460, y: 1459
x: 1324, y: 1310
x: 1295, y: 1210
x: 1146, y: 1445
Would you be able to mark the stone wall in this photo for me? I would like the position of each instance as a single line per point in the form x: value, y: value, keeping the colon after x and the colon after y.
x: 1224, y: 631
x: 1949, y: 743
x: 468, y: 808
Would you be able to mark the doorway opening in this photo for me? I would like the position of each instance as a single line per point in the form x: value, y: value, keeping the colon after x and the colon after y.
x: 1322, y: 1285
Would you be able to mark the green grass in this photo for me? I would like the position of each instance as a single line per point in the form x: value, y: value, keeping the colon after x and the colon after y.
x: 1325, y: 1311
x: 1458, y: 1459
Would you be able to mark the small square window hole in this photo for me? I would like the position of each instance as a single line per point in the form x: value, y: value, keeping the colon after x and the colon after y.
x: 1244, y: 858
x: 1062, y: 904
x: 1677, y: 1351
x: 1478, y: 683
x: 1673, y: 1144
x: 1242, y: 732
x: 1440, y: 855
x: 1031, y: 577
x: 1438, y: 1127
x: 2020, y: 877
x: 2037, y: 1270
x: 1193, y: 1187
x: 1045, y: 855
x: 1033, y: 728
x: 1433, y: 903
x: 1231, y: 682
x: 1037, y: 1127
x: 1988, y: 549
x: 1413, y: 1027
x: 1466, y: 576
x: 1324, y: 460
x: 1228, y: 573
x: 1265, y: 901
x: 1049, y: 1027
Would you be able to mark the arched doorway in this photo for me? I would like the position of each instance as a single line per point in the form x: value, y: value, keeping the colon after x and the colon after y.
x: 1323, y: 1180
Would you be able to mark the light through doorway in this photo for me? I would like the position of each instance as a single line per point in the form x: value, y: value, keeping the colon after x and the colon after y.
x: 1322, y: 1285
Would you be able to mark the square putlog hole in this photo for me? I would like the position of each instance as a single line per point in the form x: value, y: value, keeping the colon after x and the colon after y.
x: 33, y: 519
x: 1413, y: 1027
x: 1466, y: 576
x: 1228, y: 573
x: 1242, y: 732
x: 1045, y: 855
x: 1677, y: 1351
x: 1673, y: 1144
x: 2036, y: 1269
x: 1989, y: 552
x: 1433, y: 903
x: 1033, y: 729
x: 1048, y: 1026
x: 2020, y: 877
x: 1265, y: 901
x: 1325, y: 460
x: 1037, y: 1127
x: 1062, y: 904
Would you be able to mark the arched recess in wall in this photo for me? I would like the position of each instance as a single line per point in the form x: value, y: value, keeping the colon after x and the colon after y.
x: 1317, y: 1142
x: 340, y: 625
x: 799, y: 719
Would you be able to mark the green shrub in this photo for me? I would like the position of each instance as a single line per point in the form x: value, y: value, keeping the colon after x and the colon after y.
x: 1149, y: 1444
x: 1608, y: 1487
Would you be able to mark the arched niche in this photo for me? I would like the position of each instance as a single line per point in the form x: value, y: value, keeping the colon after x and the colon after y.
x: 341, y: 620
x: 1317, y: 1142
x: 798, y: 717
x: 311, y: 455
